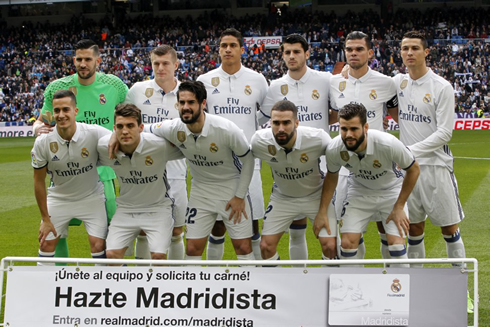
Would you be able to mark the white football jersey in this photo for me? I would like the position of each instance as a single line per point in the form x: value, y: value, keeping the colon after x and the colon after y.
x: 378, y: 170
x: 310, y: 95
x: 157, y: 106
x: 296, y: 173
x: 235, y: 97
x: 141, y: 176
x: 426, y: 117
x: 72, y: 165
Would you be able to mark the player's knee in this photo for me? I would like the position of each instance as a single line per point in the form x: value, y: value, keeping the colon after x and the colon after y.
x: 111, y: 254
x: 219, y: 228
x: 348, y: 243
x: 97, y: 245
x: 158, y: 256
x: 449, y: 230
x: 177, y: 231
x: 416, y: 229
x: 267, y: 247
x: 329, y: 247
x: 244, y: 247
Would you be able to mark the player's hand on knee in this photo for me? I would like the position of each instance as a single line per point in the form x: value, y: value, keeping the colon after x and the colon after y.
x: 237, y: 206
x: 399, y: 217
x: 113, y: 146
x: 44, y: 230
x: 321, y: 221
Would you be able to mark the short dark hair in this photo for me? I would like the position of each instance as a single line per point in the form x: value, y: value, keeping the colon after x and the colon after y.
x: 417, y: 35
x: 60, y: 94
x: 128, y: 110
x: 285, y: 105
x: 295, y: 38
x: 358, y: 35
x: 352, y: 110
x: 232, y: 32
x: 87, y: 44
x: 164, y: 49
x: 195, y: 87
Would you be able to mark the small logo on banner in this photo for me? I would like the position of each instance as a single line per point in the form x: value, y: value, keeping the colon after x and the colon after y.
x: 396, y: 287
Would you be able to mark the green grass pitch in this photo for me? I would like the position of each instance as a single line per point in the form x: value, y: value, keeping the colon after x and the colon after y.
x: 19, y: 215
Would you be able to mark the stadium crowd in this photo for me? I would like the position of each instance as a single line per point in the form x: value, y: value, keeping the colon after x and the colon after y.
x: 33, y: 55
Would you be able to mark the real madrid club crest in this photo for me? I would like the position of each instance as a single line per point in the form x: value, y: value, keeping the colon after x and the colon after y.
x: 181, y: 136
x: 304, y: 158
x: 427, y: 98
x: 344, y: 155
x: 85, y: 153
x: 149, y: 92
x: 102, y: 99
x: 248, y: 90
x: 73, y: 89
x: 315, y: 95
x: 213, y: 148
x: 342, y: 86
x: 215, y: 81
x: 148, y: 161
x: 284, y: 89
x: 376, y: 164
x: 272, y: 150
x: 403, y: 84
x: 373, y: 95
x: 53, y: 146
x: 396, y: 287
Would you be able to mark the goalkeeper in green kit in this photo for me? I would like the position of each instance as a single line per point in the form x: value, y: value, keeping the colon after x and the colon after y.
x: 97, y: 96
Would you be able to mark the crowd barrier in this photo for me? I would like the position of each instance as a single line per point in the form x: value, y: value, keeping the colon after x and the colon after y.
x: 310, y: 293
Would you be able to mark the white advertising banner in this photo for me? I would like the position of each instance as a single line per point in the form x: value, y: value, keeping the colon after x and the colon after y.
x: 16, y: 131
x: 166, y: 296
x: 270, y: 42
x: 369, y: 300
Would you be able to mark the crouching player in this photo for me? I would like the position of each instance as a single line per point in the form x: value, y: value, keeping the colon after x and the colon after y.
x: 143, y: 204
x: 69, y: 155
x: 376, y: 186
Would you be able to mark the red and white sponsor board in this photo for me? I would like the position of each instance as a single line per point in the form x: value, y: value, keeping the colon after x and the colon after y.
x: 270, y: 42
x: 471, y: 124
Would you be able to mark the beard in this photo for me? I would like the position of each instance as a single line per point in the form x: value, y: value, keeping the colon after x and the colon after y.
x: 284, y: 141
x: 354, y: 147
x: 195, y: 116
x: 86, y: 74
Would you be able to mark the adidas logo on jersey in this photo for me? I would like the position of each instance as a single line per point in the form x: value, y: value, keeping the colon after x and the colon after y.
x: 182, y: 146
x: 147, y: 102
x: 117, y: 163
x: 273, y: 160
x: 341, y: 96
x: 215, y: 91
x: 401, y: 94
x: 55, y: 158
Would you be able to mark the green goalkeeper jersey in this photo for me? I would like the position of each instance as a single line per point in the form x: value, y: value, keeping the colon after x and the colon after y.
x: 95, y: 102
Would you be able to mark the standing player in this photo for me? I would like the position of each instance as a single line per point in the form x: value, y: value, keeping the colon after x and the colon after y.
x: 69, y: 156
x: 377, y: 92
x: 236, y: 93
x: 376, y: 187
x: 221, y: 165
x: 157, y: 99
x: 143, y: 204
x: 309, y: 90
x: 97, y: 95
x: 293, y: 154
x: 426, y: 118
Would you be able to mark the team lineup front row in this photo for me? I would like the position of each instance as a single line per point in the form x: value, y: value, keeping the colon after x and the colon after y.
x: 375, y: 172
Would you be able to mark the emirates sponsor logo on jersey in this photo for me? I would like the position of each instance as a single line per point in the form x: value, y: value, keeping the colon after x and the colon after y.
x: 396, y: 287
x: 284, y: 89
x: 73, y: 89
x: 342, y: 86
x: 315, y: 95
x: 215, y: 81
x: 213, y: 148
x: 373, y: 95
x: 102, y: 99
x: 148, y: 161
x: 181, y: 136
x: 344, y: 155
x: 149, y: 92
x: 376, y: 164
x: 272, y: 150
x: 85, y: 153
x: 304, y: 158
x: 427, y: 98
x: 403, y: 84
x: 53, y: 146
x: 248, y: 90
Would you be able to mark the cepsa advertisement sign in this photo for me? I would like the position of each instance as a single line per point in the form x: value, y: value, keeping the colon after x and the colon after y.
x: 270, y: 42
x: 471, y: 124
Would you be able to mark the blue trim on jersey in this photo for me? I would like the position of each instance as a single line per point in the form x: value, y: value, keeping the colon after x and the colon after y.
x: 237, y: 162
x: 216, y: 241
x: 456, y: 194
x: 297, y: 227
x: 322, y: 174
x: 398, y: 253
x: 409, y: 165
x: 243, y: 155
x: 415, y: 242
x: 263, y: 113
x: 447, y: 150
x: 348, y: 254
x: 453, y: 238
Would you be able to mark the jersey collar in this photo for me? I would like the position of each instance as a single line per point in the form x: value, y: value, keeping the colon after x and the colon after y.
x: 236, y: 75
x: 297, y: 144
x: 159, y: 89
x: 138, y: 149
x: 302, y: 80
x: 422, y: 79
x: 363, y: 79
